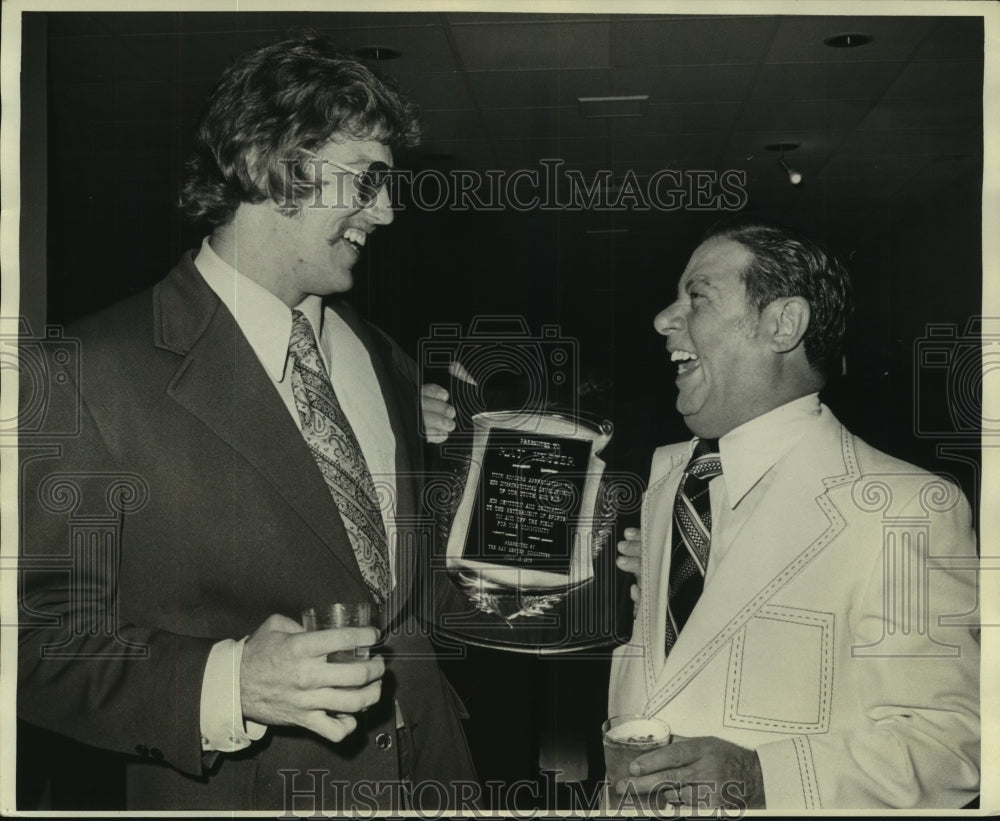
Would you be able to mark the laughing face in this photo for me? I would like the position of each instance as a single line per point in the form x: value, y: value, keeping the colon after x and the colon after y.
x: 714, y: 341
x: 315, y: 250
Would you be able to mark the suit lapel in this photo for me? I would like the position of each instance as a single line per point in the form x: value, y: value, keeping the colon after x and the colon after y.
x: 222, y: 383
x: 657, y: 518
x: 791, y: 525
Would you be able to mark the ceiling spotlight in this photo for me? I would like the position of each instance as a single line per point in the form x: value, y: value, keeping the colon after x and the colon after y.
x: 378, y: 53
x: 794, y: 176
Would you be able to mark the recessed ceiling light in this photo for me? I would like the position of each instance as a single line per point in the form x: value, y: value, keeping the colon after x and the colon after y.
x: 377, y: 53
x: 850, y: 40
x: 630, y: 106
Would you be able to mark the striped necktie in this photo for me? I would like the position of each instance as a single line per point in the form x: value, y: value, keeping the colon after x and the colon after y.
x: 692, y: 536
x: 339, y: 457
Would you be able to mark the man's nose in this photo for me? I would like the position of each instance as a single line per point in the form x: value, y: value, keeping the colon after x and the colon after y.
x: 669, y: 319
x: 380, y: 212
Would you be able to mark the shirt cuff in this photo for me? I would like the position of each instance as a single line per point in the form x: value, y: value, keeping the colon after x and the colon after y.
x: 223, y: 728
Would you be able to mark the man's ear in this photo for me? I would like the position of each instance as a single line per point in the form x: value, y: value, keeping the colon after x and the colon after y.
x: 788, y: 320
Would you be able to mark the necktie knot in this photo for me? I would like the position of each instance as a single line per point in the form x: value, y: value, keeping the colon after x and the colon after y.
x: 706, y: 463
x: 302, y: 342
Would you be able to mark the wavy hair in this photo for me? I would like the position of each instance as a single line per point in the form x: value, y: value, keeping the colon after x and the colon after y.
x: 784, y: 263
x: 275, y: 101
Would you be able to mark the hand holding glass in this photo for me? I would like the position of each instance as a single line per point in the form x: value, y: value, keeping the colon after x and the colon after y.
x: 340, y: 614
x: 626, y: 737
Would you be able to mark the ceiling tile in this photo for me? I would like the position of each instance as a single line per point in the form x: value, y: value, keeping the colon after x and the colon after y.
x: 751, y: 143
x: 458, y: 18
x: 236, y: 21
x: 850, y: 165
x: 76, y: 23
x: 370, y: 19
x: 939, y: 173
x: 543, y: 89
x: 203, y: 56
x: 941, y: 78
x: 679, y: 118
x: 505, y: 46
x: 953, y: 37
x: 460, y: 125
x: 915, y: 141
x: 154, y: 57
x: 136, y: 22
x: 555, y: 122
x: 824, y: 81
x: 436, y: 91
x: 668, y: 148
x: 957, y: 112
x: 685, y: 84
x: 800, y: 39
x: 841, y: 189
x: 527, y: 153
x: 424, y: 48
x: 446, y: 154
x: 802, y: 115
x: 678, y: 41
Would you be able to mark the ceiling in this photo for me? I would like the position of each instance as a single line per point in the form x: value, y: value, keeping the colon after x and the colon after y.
x: 878, y: 126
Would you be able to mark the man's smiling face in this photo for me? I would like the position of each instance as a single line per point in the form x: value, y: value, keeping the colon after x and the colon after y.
x: 713, y: 339
x: 316, y: 249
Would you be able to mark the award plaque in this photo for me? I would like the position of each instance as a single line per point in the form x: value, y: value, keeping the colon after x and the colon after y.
x: 530, y: 514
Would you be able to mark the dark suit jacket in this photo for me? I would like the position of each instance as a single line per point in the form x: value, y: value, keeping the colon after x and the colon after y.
x: 180, y: 505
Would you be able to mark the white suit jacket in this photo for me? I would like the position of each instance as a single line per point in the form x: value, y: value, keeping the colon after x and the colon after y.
x: 837, y: 636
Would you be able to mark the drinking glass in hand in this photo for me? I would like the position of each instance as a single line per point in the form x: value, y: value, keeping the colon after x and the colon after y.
x: 626, y: 737
x: 350, y: 614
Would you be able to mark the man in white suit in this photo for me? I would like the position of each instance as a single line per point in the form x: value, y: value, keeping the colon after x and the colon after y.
x: 817, y: 649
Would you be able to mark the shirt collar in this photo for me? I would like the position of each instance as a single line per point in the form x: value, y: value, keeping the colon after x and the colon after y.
x: 752, y: 449
x: 264, y: 319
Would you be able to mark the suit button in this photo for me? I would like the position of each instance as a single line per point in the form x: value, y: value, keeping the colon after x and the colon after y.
x: 383, y: 741
x: 141, y: 750
x: 156, y: 754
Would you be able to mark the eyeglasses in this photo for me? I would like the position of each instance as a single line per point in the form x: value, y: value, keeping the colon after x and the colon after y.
x: 367, y: 183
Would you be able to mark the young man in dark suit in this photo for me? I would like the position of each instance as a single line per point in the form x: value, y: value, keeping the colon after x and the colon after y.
x: 246, y: 448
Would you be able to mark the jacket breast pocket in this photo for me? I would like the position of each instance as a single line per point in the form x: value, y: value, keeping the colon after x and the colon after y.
x: 781, y: 672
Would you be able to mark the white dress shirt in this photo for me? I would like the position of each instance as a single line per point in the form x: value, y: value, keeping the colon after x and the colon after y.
x: 266, y: 322
x: 748, y: 453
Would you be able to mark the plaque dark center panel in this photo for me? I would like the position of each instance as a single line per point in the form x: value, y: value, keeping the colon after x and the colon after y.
x: 529, y: 496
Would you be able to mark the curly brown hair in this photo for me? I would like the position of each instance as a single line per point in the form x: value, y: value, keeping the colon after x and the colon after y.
x: 275, y: 101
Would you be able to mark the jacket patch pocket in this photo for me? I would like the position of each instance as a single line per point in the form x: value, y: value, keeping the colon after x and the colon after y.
x: 781, y: 672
